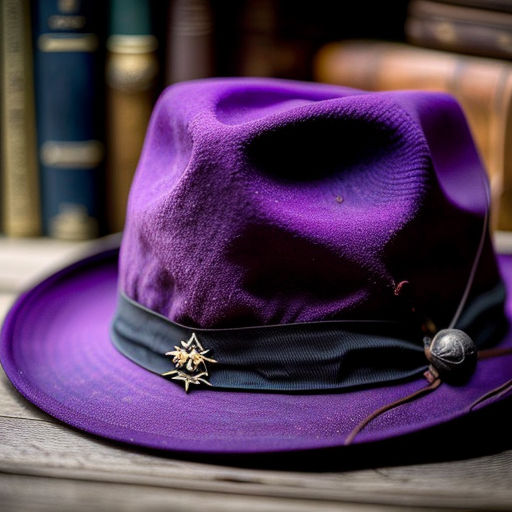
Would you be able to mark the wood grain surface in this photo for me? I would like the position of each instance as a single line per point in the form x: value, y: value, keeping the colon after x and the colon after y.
x: 46, y: 465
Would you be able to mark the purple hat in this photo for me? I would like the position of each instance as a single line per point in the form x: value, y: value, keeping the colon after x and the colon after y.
x: 303, y: 266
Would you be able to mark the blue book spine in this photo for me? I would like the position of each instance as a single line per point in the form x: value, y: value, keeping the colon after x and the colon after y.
x: 68, y: 78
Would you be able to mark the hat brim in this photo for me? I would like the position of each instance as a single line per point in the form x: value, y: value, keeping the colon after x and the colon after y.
x: 56, y: 350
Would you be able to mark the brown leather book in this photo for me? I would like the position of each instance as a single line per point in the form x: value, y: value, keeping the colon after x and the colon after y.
x: 482, y: 86
x: 190, y: 41
x: 463, y: 29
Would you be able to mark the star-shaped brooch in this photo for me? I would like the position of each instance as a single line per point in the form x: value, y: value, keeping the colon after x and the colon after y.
x: 190, y: 362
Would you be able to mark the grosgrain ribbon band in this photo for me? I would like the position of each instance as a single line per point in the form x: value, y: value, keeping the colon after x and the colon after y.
x: 301, y: 357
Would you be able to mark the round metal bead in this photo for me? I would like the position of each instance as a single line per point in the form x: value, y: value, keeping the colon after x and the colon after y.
x: 452, y: 353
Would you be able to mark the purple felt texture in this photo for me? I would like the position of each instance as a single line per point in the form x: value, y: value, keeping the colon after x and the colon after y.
x: 257, y: 202
x: 268, y: 201
x: 56, y: 351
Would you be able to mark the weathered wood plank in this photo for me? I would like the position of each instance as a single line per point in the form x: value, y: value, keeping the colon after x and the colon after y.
x: 51, y: 450
x: 44, y: 494
x: 24, y: 261
x: 13, y: 405
x: 6, y: 300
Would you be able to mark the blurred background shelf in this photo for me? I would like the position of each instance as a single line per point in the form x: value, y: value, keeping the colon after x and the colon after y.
x: 79, y: 80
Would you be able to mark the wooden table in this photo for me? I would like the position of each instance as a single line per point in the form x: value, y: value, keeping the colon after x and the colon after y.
x: 45, y: 465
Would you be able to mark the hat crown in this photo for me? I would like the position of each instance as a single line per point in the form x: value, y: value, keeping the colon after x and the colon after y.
x: 261, y: 201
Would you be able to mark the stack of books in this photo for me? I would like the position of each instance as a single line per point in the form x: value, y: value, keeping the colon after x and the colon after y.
x: 71, y: 87
x: 79, y: 80
x: 462, y: 47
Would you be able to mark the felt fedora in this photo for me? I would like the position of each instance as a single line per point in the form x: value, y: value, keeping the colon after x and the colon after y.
x: 303, y: 266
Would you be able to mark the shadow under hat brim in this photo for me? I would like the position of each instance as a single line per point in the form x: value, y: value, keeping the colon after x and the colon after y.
x: 56, y: 350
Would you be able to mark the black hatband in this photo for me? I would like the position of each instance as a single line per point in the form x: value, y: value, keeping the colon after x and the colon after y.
x: 314, y: 356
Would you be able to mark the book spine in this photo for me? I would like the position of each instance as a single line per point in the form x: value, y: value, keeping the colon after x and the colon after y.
x: 190, y: 44
x: 277, y: 39
x: 131, y: 72
x: 20, y: 184
x: 259, y: 39
x: 460, y: 29
x: 501, y: 134
x: 69, y: 117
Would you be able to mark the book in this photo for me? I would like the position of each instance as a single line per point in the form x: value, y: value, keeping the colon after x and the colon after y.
x: 279, y: 39
x: 482, y: 86
x: 131, y: 73
x: 493, y: 5
x: 460, y: 28
x: 20, y: 183
x: 190, y: 41
x: 70, y: 116
x: 258, y: 39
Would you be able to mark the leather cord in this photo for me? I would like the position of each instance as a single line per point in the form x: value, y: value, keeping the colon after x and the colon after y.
x: 434, y: 382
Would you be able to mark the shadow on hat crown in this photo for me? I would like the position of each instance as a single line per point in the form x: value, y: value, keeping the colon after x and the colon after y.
x: 261, y: 205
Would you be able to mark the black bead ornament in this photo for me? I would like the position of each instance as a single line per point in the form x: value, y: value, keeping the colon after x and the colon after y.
x: 452, y: 353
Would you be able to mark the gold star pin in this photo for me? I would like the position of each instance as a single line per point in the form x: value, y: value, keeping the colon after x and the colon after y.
x: 190, y: 362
